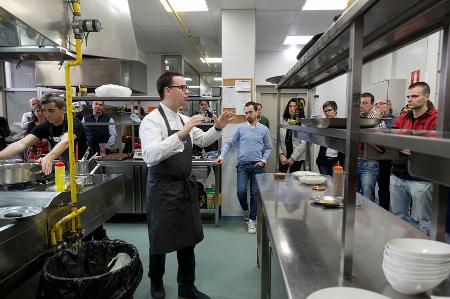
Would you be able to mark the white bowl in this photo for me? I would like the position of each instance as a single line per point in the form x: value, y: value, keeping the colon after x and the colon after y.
x: 400, y: 256
x: 305, y: 173
x: 345, y: 293
x: 312, y: 180
x: 414, y: 266
x: 409, y: 273
x: 420, y: 247
x: 410, y: 286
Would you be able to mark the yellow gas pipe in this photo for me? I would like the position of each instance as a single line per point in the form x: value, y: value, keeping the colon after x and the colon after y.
x: 74, y: 216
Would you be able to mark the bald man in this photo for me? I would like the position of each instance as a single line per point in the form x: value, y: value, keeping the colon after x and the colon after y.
x: 27, y: 117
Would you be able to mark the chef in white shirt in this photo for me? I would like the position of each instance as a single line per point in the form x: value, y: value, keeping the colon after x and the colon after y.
x: 173, y: 213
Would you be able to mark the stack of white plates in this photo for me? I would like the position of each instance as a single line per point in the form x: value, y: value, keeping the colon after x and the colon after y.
x: 309, y: 177
x: 413, y: 266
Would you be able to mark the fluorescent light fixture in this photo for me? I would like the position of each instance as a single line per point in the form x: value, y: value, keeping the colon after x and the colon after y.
x: 325, y: 5
x: 292, y: 51
x: 187, y: 79
x: 211, y: 60
x: 194, y: 87
x: 297, y: 39
x: 217, y: 79
x: 166, y: 61
x: 185, y: 5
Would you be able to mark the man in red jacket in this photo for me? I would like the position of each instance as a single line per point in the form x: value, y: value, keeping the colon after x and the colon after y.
x: 411, y: 196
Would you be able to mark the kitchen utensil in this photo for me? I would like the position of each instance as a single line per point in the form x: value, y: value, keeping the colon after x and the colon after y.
x: 19, y: 173
x: 420, y: 247
x: 10, y: 161
x: 93, y: 157
x: 19, y: 212
x: 327, y: 200
x: 83, y: 167
x: 86, y: 154
x: 94, y: 170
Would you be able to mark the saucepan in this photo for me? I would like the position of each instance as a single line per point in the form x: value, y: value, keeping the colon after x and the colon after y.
x: 16, y: 173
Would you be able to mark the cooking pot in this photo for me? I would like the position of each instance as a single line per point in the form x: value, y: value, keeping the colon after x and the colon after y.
x: 19, y: 173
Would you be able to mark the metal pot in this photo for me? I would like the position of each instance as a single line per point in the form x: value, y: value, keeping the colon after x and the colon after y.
x: 19, y: 173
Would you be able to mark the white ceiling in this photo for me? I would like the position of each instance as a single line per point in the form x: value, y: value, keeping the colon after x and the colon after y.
x: 159, y: 32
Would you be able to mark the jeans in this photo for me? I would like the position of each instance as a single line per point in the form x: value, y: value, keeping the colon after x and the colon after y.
x: 186, y: 269
x: 411, y: 200
x: 246, y: 171
x: 367, y: 178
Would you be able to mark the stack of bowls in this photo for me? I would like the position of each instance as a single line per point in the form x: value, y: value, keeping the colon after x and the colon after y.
x: 413, y: 266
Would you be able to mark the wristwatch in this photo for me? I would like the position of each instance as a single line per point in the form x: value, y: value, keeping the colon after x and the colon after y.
x: 217, y: 129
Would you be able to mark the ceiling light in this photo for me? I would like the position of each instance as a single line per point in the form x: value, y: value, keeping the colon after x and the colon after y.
x: 297, y: 39
x: 217, y: 79
x: 166, y: 61
x: 188, y: 79
x: 292, y: 51
x: 211, y: 60
x: 185, y: 5
x: 194, y: 86
x: 325, y: 5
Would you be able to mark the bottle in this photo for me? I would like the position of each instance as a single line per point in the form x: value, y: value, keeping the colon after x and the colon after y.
x: 315, y: 107
x: 338, y: 180
x: 60, y: 172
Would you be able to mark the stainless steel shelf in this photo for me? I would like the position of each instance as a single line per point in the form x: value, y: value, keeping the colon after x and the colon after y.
x: 138, y: 98
x: 388, y: 25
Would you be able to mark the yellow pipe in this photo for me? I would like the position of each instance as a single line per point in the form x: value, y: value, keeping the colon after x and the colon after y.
x: 56, y: 231
x: 73, y: 185
x: 188, y: 33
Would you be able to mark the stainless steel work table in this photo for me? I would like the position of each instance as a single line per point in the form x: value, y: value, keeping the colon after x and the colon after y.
x: 300, y: 242
x: 135, y: 171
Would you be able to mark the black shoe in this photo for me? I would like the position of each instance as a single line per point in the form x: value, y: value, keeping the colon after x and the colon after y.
x: 195, y: 295
x: 157, y: 290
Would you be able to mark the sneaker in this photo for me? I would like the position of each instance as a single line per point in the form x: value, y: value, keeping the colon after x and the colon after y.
x: 245, y: 214
x: 157, y: 289
x: 251, y: 226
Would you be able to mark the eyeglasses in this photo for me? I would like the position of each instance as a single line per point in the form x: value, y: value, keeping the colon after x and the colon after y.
x: 328, y: 110
x: 382, y: 103
x: 182, y: 87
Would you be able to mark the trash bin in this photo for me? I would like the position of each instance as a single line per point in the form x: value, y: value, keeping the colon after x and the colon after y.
x: 83, y: 272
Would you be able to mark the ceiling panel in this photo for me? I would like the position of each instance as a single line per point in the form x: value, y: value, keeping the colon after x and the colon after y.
x: 144, y: 19
x: 270, y: 29
x: 231, y: 4
x: 267, y: 48
x: 143, y: 6
x: 306, y: 29
x: 279, y: 4
x: 315, y: 17
x: 275, y: 17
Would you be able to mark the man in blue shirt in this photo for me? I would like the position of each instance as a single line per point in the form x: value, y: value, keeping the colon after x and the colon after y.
x: 254, y: 148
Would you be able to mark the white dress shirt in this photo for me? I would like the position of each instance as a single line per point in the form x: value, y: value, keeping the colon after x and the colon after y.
x: 157, y: 146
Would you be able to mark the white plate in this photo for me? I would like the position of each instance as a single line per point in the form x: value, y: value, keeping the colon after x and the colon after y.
x: 312, y: 180
x: 305, y: 173
x: 345, y: 293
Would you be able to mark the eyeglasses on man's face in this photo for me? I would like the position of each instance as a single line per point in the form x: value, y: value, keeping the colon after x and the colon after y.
x: 182, y: 87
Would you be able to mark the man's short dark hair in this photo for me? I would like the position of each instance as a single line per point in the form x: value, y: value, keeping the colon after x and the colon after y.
x: 251, y: 104
x: 53, y: 98
x: 425, y: 87
x: 206, y: 101
x: 332, y: 104
x: 368, y: 95
x: 259, y: 104
x: 165, y: 80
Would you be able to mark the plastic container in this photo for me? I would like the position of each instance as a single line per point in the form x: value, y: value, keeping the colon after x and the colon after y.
x: 315, y: 108
x: 60, y: 172
x: 210, y: 198
x: 338, y: 180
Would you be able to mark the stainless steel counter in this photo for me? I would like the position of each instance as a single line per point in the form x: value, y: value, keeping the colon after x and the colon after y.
x: 301, y: 242
x: 24, y: 242
x: 135, y: 173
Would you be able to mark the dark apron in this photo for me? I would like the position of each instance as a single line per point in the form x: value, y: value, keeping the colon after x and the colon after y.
x: 173, y: 213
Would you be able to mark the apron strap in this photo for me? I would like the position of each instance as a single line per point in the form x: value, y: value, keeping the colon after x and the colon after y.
x: 161, y: 111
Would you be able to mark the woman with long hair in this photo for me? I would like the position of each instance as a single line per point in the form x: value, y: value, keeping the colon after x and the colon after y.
x: 40, y: 148
x: 292, y: 149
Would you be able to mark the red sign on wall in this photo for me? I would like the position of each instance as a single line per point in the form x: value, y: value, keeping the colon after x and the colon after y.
x: 415, y: 76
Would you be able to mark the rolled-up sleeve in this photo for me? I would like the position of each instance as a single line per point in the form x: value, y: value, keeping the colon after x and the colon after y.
x: 154, y: 147
x: 203, y: 139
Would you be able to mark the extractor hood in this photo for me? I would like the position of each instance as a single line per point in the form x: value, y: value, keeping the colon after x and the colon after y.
x: 40, y: 30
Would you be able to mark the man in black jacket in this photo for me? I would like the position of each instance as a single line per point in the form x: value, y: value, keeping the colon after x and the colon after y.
x: 4, y: 132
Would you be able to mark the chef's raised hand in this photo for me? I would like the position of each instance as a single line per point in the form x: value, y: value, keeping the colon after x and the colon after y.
x: 195, y: 120
x: 223, y: 119
x: 218, y: 161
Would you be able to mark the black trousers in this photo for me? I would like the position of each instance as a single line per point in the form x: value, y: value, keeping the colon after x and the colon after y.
x: 296, y: 166
x: 326, y: 165
x: 186, y: 269
x: 383, y: 183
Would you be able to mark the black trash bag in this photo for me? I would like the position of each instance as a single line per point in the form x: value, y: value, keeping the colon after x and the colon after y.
x: 82, y: 272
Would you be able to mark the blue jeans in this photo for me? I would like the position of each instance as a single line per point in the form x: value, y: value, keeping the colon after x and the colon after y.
x: 367, y: 178
x: 246, y: 171
x: 411, y: 200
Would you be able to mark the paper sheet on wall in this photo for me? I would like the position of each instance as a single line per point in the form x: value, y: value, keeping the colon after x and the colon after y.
x: 243, y: 85
x: 229, y: 95
x: 241, y: 99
